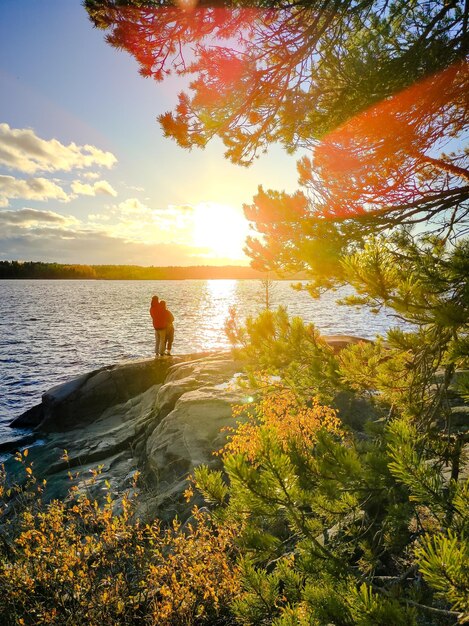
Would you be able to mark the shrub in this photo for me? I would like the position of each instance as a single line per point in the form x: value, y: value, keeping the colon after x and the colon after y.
x: 78, y: 562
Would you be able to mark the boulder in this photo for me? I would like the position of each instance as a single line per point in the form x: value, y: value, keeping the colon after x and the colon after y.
x: 83, y: 400
x: 339, y: 342
x: 187, y: 437
x: 192, y: 375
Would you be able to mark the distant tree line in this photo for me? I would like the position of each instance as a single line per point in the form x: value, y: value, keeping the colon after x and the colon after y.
x: 36, y: 269
x: 32, y: 269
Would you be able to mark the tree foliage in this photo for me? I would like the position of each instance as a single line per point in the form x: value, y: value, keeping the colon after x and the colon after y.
x: 282, y: 71
x: 41, y: 270
x: 272, y: 345
x: 379, y: 170
x: 340, y: 526
x: 375, y: 92
x: 368, y: 525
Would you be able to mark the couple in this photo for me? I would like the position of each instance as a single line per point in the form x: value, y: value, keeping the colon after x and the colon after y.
x: 163, y: 325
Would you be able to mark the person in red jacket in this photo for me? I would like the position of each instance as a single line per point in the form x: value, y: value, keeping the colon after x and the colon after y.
x: 158, y: 316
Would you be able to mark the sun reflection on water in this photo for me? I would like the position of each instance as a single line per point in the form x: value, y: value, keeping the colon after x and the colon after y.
x: 219, y: 296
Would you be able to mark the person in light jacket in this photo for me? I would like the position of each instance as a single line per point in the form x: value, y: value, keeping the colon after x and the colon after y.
x: 169, y: 328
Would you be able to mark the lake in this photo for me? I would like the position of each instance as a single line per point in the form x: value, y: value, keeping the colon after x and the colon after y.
x: 51, y: 331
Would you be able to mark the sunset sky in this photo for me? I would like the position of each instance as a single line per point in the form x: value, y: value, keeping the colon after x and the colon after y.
x: 86, y: 175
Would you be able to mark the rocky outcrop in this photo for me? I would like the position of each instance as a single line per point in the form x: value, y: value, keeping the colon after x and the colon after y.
x: 82, y: 400
x: 339, y: 342
x: 162, y: 417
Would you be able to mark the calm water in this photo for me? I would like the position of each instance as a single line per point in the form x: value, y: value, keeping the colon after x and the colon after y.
x: 51, y: 331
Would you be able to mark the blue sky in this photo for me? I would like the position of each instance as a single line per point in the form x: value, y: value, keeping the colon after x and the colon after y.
x: 85, y: 173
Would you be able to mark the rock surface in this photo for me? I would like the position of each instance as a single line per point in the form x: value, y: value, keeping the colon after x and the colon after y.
x: 83, y: 399
x: 162, y: 417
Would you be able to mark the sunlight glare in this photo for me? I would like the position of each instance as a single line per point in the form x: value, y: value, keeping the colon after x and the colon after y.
x: 219, y: 296
x: 220, y: 228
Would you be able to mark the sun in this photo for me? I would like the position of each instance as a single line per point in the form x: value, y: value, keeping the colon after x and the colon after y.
x: 221, y: 229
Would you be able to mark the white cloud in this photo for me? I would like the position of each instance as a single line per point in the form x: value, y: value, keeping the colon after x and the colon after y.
x: 24, y: 218
x: 90, y: 175
x: 83, y: 189
x: 134, y: 207
x: 21, y: 149
x: 94, y: 218
x: 66, y: 245
x: 101, y: 187
x: 129, y: 232
x: 30, y: 189
x: 132, y: 187
x: 180, y: 208
x: 136, y: 222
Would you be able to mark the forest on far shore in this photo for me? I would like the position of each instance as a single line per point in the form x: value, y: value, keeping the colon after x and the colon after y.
x: 37, y: 269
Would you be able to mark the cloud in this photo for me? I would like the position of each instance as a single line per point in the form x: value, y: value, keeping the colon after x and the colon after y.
x: 128, y: 213
x: 99, y: 217
x: 21, y: 149
x: 67, y: 245
x: 30, y: 189
x: 26, y: 217
x: 103, y: 187
x: 128, y: 233
x: 180, y: 208
x: 134, y: 207
x: 100, y: 187
x: 90, y: 175
x: 136, y: 222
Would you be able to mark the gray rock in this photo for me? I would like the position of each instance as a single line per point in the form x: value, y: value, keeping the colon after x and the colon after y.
x: 30, y: 418
x: 187, y: 437
x: 192, y: 375
x: 160, y: 416
x: 339, y: 342
x: 83, y: 400
x: 163, y: 417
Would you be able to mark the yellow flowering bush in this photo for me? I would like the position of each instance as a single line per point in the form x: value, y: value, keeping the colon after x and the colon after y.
x: 78, y: 562
x: 290, y: 421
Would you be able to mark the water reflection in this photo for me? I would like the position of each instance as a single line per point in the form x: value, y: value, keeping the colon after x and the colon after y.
x: 220, y: 296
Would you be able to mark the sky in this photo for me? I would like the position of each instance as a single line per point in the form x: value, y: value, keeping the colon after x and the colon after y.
x: 86, y: 175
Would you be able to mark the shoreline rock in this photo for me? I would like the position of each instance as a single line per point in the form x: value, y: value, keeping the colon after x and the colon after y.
x: 90, y: 394
x: 161, y: 417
